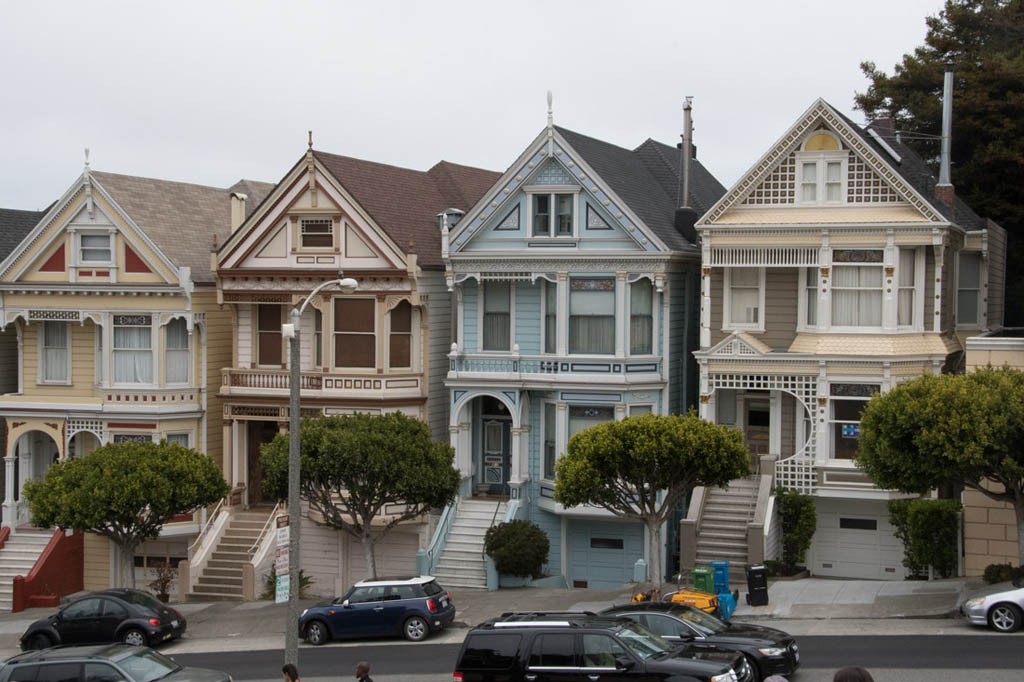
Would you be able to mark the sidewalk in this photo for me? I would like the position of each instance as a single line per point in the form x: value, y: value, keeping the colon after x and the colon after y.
x: 801, y: 607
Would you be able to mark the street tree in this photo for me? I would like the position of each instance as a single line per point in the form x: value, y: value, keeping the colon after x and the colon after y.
x: 984, y: 41
x: 642, y: 467
x: 360, y: 468
x: 125, y: 492
x: 965, y: 429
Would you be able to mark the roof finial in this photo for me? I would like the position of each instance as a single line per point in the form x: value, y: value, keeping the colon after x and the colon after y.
x: 310, y: 139
x: 551, y: 117
x: 88, y: 184
x: 87, y: 158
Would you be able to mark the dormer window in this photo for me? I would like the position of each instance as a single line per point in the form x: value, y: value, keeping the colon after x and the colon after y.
x: 553, y: 214
x: 316, y: 233
x: 821, y: 168
x: 95, y: 248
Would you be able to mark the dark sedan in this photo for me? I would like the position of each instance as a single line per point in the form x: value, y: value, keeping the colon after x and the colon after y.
x: 769, y: 651
x: 120, y: 615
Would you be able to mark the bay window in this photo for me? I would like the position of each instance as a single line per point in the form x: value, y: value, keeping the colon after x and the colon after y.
x: 178, y: 438
x: 857, y: 295
x: 550, y: 431
x: 355, y: 326
x: 744, y: 298
x: 132, y: 349
x: 592, y: 316
x: 582, y: 417
x: 968, y: 294
x: 905, y: 291
x: 497, y: 316
x: 400, y: 337
x: 177, y: 357
x: 550, y: 317
x: 641, y: 318
x: 56, y: 353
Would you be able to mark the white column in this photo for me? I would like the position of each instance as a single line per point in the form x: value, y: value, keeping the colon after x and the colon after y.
x: 562, y: 319
x: 889, y: 293
x: 620, y: 411
x: 621, y: 323
x: 8, y: 512
x: 824, y: 283
x: 774, y: 423
x: 460, y: 316
x: 705, y: 294
x: 703, y: 397
x: 940, y: 250
x: 561, y: 428
x: 820, y: 417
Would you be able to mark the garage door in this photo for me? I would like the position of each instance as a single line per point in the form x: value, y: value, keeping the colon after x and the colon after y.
x: 854, y: 539
x: 602, y: 553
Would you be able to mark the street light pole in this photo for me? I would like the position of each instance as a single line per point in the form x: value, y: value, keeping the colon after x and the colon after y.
x: 291, y: 630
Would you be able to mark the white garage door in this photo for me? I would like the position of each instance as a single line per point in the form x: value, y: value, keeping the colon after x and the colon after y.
x: 854, y: 539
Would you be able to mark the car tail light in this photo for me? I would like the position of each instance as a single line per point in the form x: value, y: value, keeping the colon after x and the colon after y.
x: 155, y: 622
x: 449, y: 597
x: 431, y: 606
x: 456, y: 677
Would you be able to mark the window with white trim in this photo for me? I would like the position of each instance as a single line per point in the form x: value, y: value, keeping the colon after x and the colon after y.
x: 550, y: 434
x: 553, y: 214
x: 906, y: 291
x: 316, y: 233
x: 550, y: 317
x: 810, y: 284
x: 400, y: 336
x: 268, y: 335
x: 497, y: 316
x: 846, y: 404
x: 635, y: 410
x: 857, y: 285
x: 968, y: 292
x: 100, y: 377
x: 355, y: 329
x: 592, y: 315
x: 177, y: 355
x: 131, y: 438
x: 641, y: 317
x: 56, y: 353
x: 582, y: 417
x: 179, y: 439
x: 318, y: 338
x: 744, y: 298
x: 132, y: 350
x: 95, y: 248
x: 821, y: 169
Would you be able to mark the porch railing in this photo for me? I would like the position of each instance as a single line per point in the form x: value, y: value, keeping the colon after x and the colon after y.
x: 436, y: 547
x: 547, y: 365
x: 269, y: 379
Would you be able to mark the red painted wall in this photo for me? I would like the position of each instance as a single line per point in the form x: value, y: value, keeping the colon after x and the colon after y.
x: 57, y: 572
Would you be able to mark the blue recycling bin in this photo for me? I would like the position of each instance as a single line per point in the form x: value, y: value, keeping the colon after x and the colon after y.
x: 726, y: 605
x: 721, y: 569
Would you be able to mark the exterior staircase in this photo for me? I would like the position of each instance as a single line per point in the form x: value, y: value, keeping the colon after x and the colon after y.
x: 221, y: 578
x: 725, y: 517
x: 462, y: 560
x: 18, y: 556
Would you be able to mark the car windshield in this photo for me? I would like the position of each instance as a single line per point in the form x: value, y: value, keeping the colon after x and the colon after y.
x: 704, y: 622
x: 432, y: 588
x: 147, y: 666
x: 642, y: 641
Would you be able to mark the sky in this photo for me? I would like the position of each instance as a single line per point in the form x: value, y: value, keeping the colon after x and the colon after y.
x: 211, y: 92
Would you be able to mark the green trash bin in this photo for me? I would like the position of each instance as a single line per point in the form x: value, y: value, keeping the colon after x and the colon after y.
x: 704, y: 579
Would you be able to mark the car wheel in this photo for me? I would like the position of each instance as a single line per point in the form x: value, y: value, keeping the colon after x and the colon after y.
x: 415, y: 629
x: 1005, y: 617
x: 316, y: 633
x: 38, y: 641
x: 755, y: 672
x: 134, y: 637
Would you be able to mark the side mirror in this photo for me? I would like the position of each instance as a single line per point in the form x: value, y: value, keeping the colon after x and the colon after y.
x: 345, y: 603
x: 623, y: 663
x: 685, y: 635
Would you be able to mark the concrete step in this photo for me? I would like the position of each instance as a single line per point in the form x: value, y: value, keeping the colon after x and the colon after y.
x: 205, y: 580
x: 472, y: 537
x: 718, y: 544
x: 733, y: 535
x: 704, y: 557
x: 229, y: 556
x: 461, y: 572
x: 718, y: 516
x: 238, y: 547
x: 234, y: 571
x: 462, y: 522
x: 224, y: 563
x: 460, y: 546
x: 214, y: 595
x: 459, y: 563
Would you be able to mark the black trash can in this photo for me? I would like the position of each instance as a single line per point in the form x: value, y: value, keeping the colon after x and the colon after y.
x: 757, y: 585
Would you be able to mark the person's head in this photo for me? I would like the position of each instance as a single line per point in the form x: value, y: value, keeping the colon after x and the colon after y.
x: 854, y: 673
x: 289, y: 673
x: 362, y: 669
x: 775, y: 678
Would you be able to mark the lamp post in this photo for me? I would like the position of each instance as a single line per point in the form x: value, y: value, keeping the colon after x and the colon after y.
x: 292, y: 331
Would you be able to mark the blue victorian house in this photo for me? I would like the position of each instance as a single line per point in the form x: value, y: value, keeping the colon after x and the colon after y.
x: 576, y: 289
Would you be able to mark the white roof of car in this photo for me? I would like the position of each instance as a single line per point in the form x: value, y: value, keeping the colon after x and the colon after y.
x: 415, y: 580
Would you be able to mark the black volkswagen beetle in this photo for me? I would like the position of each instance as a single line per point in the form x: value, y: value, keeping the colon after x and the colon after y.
x: 769, y: 651
x: 118, y: 615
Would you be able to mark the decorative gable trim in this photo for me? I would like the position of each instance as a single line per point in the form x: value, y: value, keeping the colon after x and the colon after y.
x: 790, y: 141
x: 57, y: 262
x: 132, y: 262
x: 738, y: 345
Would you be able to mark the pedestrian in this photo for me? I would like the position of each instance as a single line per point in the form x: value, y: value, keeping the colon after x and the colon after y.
x: 289, y: 673
x: 363, y: 672
x: 854, y: 673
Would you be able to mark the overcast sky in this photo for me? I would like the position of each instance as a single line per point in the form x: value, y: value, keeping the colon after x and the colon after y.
x: 210, y: 92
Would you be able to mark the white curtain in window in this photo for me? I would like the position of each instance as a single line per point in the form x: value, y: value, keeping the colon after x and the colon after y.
x: 641, y: 317
x: 177, y: 352
x: 833, y: 180
x: 179, y: 438
x: 968, y: 288
x: 744, y: 295
x: 809, y: 181
x: 550, y: 317
x: 55, y: 351
x: 905, y: 303
x: 592, y: 319
x: 581, y: 419
x: 133, y: 355
x: 856, y: 296
x: 497, y: 315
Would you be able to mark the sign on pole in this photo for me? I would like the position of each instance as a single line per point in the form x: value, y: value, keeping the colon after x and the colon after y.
x: 281, y: 568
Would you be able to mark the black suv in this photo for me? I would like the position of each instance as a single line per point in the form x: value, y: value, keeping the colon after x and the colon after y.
x: 567, y: 647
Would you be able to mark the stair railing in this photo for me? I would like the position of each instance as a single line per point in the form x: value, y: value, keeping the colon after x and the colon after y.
x: 483, y: 550
x: 271, y: 520
x: 440, y: 537
x: 205, y: 529
x: 203, y: 548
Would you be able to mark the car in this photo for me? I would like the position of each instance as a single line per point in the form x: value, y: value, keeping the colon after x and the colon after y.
x: 572, y: 646
x: 102, y: 663
x: 768, y: 651
x: 413, y: 607
x: 999, y: 606
x: 116, y: 615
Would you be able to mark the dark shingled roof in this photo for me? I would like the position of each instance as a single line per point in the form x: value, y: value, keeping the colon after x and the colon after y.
x: 405, y: 202
x: 14, y: 225
x: 182, y: 219
x: 647, y: 179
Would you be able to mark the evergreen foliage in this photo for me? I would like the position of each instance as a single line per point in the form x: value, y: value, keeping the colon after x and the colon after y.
x: 799, y: 520
x: 518, y: 548
x: 928, y: 530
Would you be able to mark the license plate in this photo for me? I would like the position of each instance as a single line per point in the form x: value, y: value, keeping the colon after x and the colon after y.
x: 444, y: 601
x: 174, y: 623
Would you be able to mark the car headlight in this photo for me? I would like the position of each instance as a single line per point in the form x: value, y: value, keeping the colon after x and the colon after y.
x: 773, y: 651
x: 971, y: 603
x: 725, y: 677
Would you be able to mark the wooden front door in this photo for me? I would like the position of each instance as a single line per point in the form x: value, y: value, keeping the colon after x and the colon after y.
x: 259, y: 433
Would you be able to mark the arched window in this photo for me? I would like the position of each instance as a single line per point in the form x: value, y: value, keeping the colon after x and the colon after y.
x: 821, y: 169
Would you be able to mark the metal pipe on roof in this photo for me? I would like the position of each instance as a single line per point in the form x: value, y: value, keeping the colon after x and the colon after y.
x: 947, y: 125
x: 684, y: 180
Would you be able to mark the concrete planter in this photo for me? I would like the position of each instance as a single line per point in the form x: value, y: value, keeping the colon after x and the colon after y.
x: 549, y: 581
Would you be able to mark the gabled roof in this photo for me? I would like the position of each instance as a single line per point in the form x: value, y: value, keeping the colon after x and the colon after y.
x: 182, y: 219
x: 647, y: 179
x: 405, y: 202
x: 14, y: 225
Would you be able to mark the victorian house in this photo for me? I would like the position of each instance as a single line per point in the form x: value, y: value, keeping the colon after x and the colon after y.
x: 834, y: 269
x: 576, y: 303
x: 111, y: 301
x: 382, y: 348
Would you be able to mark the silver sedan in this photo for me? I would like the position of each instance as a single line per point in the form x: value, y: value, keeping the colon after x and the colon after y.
x: 1000, y: 606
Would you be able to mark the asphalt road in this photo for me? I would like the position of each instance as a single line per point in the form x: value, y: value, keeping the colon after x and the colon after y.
x: 904, y: 657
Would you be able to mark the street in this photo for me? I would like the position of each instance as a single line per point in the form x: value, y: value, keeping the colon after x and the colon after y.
x: 894, y: 658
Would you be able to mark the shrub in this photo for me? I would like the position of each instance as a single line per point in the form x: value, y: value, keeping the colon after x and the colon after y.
x: 1002, y: 573
x: 518, y: 548
x: 270, y: 584
x: 928, y: 530
x: 799, y: 521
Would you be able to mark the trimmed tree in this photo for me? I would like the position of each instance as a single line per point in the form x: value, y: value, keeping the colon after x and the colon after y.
x: 356, y: 466
x: 125, y: 492
x: 965, y: 429
x: 642, y: 467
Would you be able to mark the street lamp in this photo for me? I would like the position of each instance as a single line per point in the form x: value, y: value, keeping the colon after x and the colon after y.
x: 292, y: 331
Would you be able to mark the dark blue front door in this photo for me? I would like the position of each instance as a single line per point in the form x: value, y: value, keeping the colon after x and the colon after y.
x: 494, y: 453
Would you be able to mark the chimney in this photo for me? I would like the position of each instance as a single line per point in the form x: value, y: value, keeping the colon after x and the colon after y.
x: 237, y: 210
x: 686, y: 216
x: 885, y: 123
x: 944, y: 188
